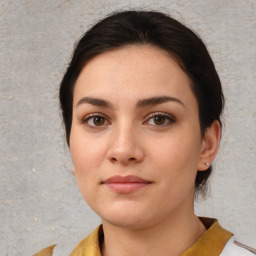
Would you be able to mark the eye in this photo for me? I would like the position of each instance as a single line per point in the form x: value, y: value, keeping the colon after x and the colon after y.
x: 95, y: 120
x: 160, y: 119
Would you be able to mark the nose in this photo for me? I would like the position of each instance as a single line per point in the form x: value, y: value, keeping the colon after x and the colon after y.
x: 126, y: 146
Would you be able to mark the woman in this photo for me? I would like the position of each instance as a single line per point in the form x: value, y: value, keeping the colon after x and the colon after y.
x: 141, y: 103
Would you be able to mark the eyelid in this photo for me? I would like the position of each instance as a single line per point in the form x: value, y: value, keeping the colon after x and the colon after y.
x: 84, y: 120
x: 159, y: 113
x: 170, y: 117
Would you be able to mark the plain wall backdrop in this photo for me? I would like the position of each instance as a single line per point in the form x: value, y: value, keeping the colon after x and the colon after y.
x: 40, y: 202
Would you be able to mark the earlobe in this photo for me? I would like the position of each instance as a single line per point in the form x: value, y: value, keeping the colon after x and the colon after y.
x: 210, y: 145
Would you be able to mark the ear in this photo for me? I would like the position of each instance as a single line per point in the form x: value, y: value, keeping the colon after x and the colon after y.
x: 210, y: 145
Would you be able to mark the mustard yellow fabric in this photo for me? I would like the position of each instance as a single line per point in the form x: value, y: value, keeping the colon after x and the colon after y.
x: 46, y: 251
x: 90, y: 246
x: 211, y: 243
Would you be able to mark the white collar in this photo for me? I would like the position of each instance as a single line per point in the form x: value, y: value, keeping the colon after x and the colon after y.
x: 232, y: 249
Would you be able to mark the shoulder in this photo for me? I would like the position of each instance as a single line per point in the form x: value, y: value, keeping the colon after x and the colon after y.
x: 48, y: 251
x: 234, y: 248
x: 88, y: 246
x: 91, y: 244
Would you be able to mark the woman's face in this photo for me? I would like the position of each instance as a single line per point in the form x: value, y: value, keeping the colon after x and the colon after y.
x: 135, y: 139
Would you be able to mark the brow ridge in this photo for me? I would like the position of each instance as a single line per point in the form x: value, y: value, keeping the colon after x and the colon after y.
x: 140, y: 104
x: 157, y: 100
x: 94, y: 101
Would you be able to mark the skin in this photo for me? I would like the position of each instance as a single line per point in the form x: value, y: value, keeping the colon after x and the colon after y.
x: 159, y: 142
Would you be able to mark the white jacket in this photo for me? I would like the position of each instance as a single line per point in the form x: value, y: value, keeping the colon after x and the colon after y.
x: 231, y: 249
x: 235, y: 249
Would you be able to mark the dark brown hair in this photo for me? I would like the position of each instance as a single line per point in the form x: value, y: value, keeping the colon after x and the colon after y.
x: 160, y: 30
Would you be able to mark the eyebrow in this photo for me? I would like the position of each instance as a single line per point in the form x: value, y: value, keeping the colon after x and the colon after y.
x: 95, y: 101
x: 157, y: 100
x: 140, y: 104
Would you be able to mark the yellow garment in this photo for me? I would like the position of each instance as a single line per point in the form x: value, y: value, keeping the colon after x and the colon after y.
x: 46, y: 251
x: 211, y: 243
x: 90, y: 246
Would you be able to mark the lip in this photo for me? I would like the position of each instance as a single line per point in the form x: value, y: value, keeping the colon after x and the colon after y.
x: 126, y: 184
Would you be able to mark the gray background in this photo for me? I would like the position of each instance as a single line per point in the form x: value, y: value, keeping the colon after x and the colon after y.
x: 40, y: 202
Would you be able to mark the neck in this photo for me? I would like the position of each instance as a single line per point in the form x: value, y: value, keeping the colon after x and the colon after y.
x: 170, y: 238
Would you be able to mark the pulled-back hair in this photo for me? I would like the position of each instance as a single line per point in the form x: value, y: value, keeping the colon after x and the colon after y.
x: 160, y: 30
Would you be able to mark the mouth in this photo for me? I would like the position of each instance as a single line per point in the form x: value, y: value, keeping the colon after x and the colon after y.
x: 126, y: 184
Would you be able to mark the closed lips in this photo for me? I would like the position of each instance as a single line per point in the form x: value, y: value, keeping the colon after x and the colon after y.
x: 125, y: 179
x: 126, y: 184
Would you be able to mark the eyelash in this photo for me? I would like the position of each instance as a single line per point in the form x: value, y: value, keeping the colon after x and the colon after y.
x: 167, y: 118
x: 170, y: 119
x: 86, y: 119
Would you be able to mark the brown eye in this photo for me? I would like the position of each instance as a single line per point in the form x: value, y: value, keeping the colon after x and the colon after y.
x: 159, y: 120
x: 95, y: 120
x: 98, y: 120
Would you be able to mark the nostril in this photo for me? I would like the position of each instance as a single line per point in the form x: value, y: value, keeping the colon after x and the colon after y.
x: 113, y: 159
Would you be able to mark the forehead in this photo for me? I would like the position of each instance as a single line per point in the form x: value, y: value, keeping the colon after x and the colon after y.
x: 141, y: 69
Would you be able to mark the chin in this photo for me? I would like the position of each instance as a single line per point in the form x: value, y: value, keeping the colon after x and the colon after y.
x: 126, y: 218
x: 129, y: 222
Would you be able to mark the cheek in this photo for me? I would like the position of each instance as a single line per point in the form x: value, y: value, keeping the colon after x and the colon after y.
x: 85, y: 159
x: 175, y: 151
x: 85, y: 152
x: 177, y: 156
